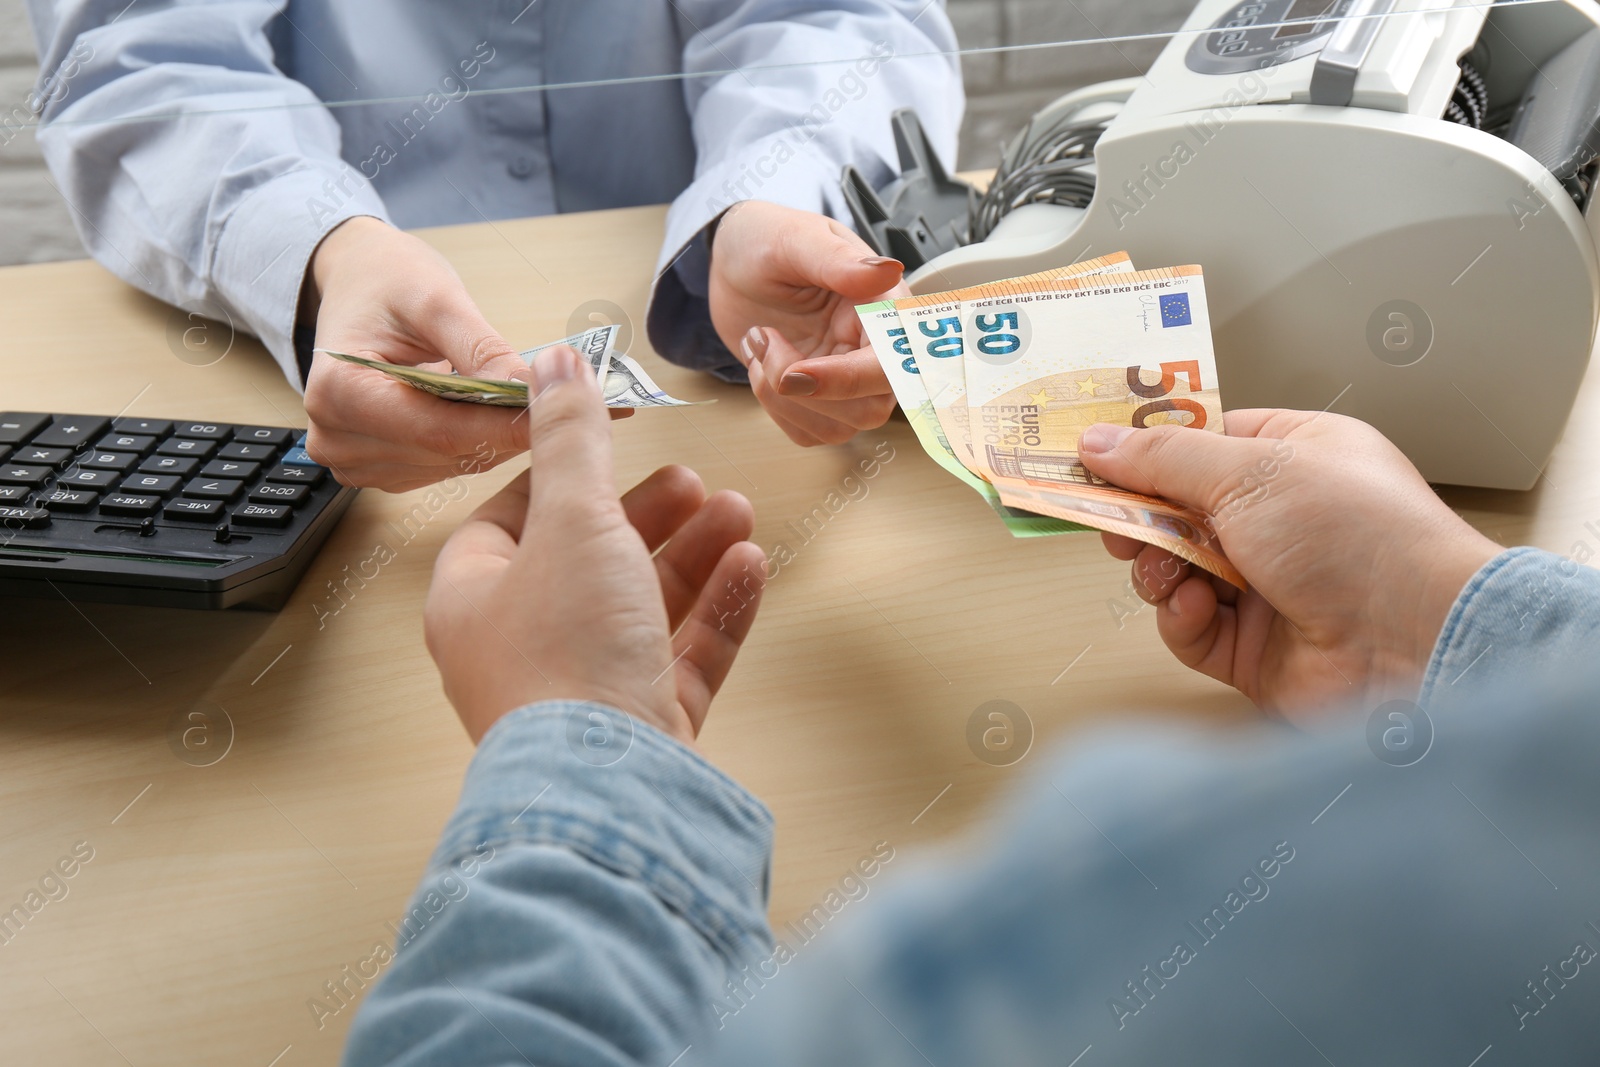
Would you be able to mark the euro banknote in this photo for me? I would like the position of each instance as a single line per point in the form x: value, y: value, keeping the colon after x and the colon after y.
x: 888, y: 339
x: 1040, y: 360
x: 933, y: 325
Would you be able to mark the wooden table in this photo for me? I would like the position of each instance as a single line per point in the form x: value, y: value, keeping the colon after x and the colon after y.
x: 220, y: 898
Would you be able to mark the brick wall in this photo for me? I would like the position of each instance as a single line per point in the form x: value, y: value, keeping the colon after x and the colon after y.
x: 1004, y: 88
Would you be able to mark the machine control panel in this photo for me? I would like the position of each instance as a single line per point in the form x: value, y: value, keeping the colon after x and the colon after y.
x: 1267, y: 33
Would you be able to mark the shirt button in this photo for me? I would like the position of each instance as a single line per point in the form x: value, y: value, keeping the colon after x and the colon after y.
x: 520, y: 167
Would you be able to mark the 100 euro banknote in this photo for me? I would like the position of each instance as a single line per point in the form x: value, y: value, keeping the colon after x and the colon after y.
x: 893, y: 349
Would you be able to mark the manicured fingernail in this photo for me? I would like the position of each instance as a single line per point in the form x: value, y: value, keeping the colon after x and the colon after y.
x: 881, y: 261
x: 754, y: 344
x: 555, y: 365
x: 796, y: 384
x: 1103, y: 437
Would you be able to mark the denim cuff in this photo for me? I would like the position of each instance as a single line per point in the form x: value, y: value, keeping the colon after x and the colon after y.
x: 1525, y: 609
x: 592, y: 780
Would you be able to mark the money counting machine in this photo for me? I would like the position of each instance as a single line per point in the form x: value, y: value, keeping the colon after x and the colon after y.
x: 1391, y: 200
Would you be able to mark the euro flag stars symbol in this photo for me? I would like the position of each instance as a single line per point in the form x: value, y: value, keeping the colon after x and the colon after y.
x: 1175, y: 311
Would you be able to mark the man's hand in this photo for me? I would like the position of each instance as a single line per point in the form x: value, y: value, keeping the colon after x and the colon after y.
x: 1352, y: 560
x: 783, y: 289
x: 550, y: 591
x: 377, y: 292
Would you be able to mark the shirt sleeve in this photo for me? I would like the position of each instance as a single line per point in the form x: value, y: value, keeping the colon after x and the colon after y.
x: 194, y: 169
x: 595, y: 888
x: 1526, y: 613
x: 783, y: 95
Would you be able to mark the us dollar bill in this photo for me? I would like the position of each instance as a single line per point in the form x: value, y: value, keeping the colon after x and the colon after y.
x: 624, y: 383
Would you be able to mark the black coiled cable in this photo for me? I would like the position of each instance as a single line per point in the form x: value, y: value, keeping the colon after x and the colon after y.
x: 1042, y: 166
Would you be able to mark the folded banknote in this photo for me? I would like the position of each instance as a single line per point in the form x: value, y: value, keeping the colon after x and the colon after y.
x: 624, y: 382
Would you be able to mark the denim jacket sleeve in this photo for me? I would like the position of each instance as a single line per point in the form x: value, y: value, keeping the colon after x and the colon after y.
x: 593, y: 889
x: 1525, y: 613
x: 598, y: 890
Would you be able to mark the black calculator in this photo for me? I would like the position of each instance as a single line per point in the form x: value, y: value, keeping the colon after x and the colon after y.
x: 159, y: 512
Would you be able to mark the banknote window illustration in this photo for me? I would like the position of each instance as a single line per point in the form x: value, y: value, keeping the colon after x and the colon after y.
x: 1039, y: 468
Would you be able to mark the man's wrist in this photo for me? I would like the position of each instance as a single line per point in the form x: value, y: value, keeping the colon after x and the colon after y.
x: 478, y: 718
x: 1438, y: 580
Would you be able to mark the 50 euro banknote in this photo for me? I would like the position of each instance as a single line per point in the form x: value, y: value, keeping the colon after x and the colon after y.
x: 1051, y: 358
x: 943, y: 432
x: 934, y: 329
x: 1052, y: 354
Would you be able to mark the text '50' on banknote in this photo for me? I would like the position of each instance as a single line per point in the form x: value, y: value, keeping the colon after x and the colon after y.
x: 1048, y: 359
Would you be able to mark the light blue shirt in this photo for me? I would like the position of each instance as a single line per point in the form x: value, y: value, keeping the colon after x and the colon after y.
x: 217, y: 202
x: 1159, y: 896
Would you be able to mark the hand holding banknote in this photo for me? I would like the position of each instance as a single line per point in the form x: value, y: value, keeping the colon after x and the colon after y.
x: 1353, y: 562
x: 999, y: 380
x: 376, y: 291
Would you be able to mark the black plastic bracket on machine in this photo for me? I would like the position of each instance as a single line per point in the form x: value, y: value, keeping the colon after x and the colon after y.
x: 922, y: 214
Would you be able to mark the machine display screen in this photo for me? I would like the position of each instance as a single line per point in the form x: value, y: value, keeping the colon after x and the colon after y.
x: 1300, y: 15
x: 1253, y: 34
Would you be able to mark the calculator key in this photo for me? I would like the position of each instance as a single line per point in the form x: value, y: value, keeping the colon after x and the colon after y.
x: 262, y: 435
x: 159, y: 484
x: 16, y: 427
x: 268, y: 493
x: 43, y: 457
x: 126, y: 442
x: 209, y: 431
x: 129, y: 504
x: 72, y: 431
x: 212, y: 489
x: 182, y: 466
x: 230, y: 468
x: 77, y: 478
x: 21, y: 474
x: 263, y: 515
x: 186, y: 446
x: 70, y: 499
x: 193, y: 510
x: 27, y: 518
x: 242, y: 450
x: 109, y: 461
x: 14, y: 494
x: 299, y: 457
x: 153, y: 427
x: 291, y: 475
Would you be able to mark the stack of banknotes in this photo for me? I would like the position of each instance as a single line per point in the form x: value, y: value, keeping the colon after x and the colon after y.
x: 1000, y: 380
x: 623, y: 381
